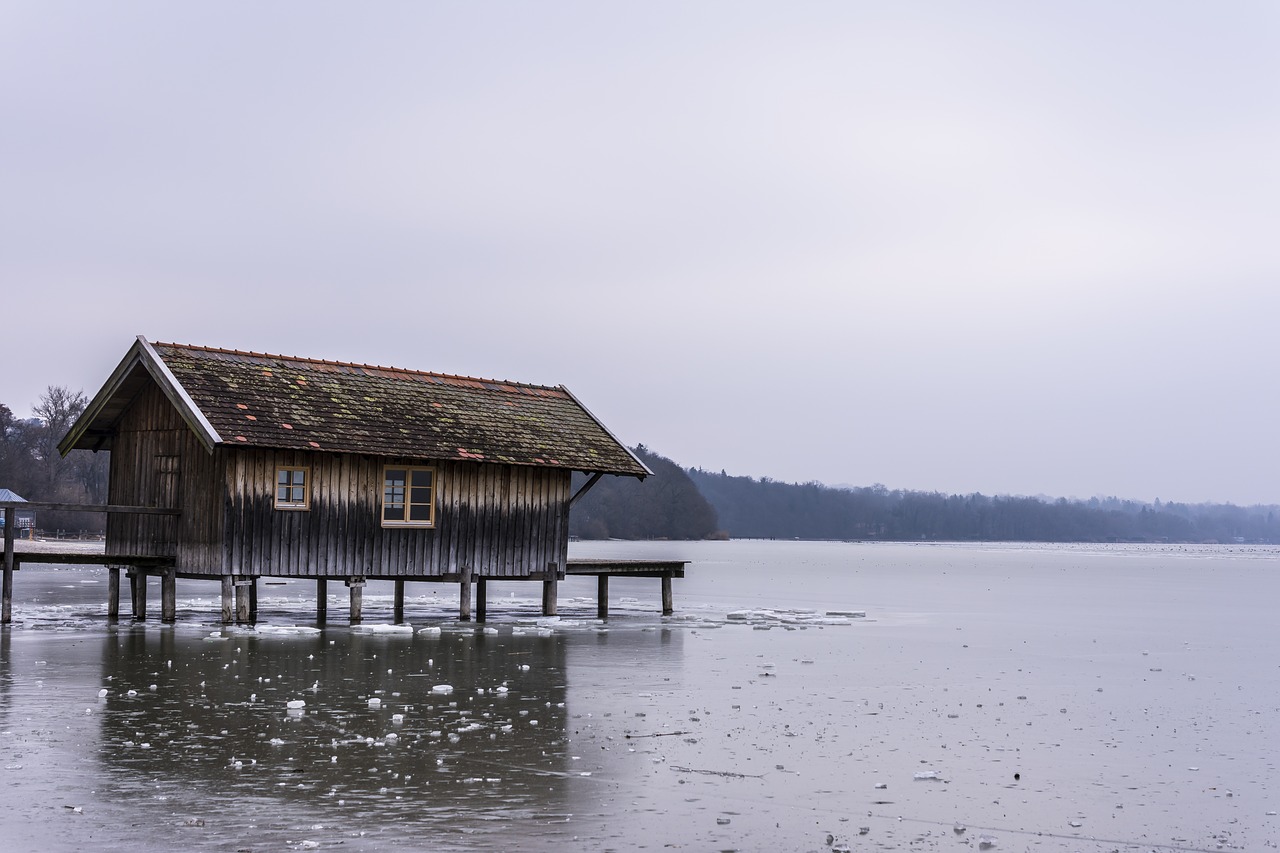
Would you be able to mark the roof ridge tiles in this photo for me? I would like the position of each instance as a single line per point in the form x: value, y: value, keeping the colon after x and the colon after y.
x: 359, y: 366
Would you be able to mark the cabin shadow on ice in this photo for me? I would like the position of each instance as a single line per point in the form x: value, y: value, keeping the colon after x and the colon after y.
x: 274, y: 466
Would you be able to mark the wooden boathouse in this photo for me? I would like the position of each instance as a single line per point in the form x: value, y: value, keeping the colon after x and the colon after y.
x: 232, y: 466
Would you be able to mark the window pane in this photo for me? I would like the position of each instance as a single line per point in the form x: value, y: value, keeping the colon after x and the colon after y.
x: 419, y: 512
x: 422, y: 478
x: 282, y: 494
x: 297, y: 497
x: 282, y: 476
x: 393, y: 513
x: 395, y: 476
x: 421, y: 496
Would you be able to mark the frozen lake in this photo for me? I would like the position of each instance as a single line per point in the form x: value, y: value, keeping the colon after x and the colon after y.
x: 1071, y: 698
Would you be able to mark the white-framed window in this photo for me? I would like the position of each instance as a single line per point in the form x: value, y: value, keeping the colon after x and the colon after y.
x: 292, y: 489
x: 408, y: 496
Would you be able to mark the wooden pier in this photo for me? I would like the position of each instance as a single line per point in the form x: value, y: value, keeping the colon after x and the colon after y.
x: 605, y: 569
x: 240, y: 592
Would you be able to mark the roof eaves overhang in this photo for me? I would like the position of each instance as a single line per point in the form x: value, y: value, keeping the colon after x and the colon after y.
x: 142, y: 353
x: 608, y: 432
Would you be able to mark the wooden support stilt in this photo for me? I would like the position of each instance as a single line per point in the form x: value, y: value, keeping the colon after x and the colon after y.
x: 228, y: 599
x: 549, y: 597
x: 113, y: 593
x: 169, y: 596
x: 602, y: 596
x: 667, y: 607
x: 242, y: 600
x: 253, y: 600
x: 397, y: 614
x: 464, y: 596
x: 356, y: 587
x: 482, y: 592
x: 140, y: 596
x: 322, y: 599
x: 6, y: 593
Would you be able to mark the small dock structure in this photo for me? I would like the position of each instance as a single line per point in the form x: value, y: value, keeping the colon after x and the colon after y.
x: 231, y: 466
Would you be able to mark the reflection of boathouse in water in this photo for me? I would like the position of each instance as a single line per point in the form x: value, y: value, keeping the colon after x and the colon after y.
x: 206, y: 727
x: 277, y: 466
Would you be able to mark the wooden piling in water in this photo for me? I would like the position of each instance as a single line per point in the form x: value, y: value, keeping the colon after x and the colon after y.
x: 356, y: 586
x: 253, y: 600
x: 668, y: 605
x: 6, y: 606
x: 113, y: 593
x: 549, y: 596
x: 397, y: 610
x: 228, y: 599
x: 482, y: 592
x: 242, y: 600
x: 169, y: 596
x: 139, y: 582
x: 464, y: 596
x: 322, y: 599
x: 602, y: 596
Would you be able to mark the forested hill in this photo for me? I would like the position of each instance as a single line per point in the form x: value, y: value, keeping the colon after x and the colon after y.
x: 694, y: 504
x: 665, y: 506
x: 750, y: 508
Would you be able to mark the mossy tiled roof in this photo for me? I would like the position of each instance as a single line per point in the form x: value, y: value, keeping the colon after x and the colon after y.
x: 259, y: 400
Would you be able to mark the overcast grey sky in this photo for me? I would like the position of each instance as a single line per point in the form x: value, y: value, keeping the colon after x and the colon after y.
x: 1015, y: 248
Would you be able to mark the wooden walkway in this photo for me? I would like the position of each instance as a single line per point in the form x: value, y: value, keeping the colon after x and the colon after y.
x: 605, y: 569
x: 240, y: 593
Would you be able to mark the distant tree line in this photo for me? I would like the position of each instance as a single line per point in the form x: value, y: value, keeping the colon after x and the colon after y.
x: 750, y: 508
x: 31, y: 466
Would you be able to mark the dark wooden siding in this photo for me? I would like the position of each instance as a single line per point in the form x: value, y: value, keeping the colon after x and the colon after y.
x: 157, y: 461
x: 497, y: 520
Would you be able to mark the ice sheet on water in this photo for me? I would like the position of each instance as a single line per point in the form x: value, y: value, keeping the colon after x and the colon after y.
x: 429, y: 631
x: 287, y: 630
x: 382, y: 628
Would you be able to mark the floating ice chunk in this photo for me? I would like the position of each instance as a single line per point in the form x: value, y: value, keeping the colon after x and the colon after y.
x: 442, y: 689
x: 959, y: 829
x: 391, y: 737
x: 880, y: 786
x: 382, y: 628
x: 500, y: 690
x: 132, y: 693
x: 288, y: 630
x: 1075, y: 824
x: 491, y: 630
x: 275, y: 741
x: 295, y: 704
x: 375, y: 702
x: 926, y: 776
x: 102, y: 694
x: 397, y: 718
x: 524, y: 667
x: 986, y: 842
x: 430, y: 631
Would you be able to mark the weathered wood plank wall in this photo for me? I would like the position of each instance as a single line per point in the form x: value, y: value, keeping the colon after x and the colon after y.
x: 157, y: 461
x: 499, y: 521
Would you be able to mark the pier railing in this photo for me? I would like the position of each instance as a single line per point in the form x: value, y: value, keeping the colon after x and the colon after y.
x: 11, y: 526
